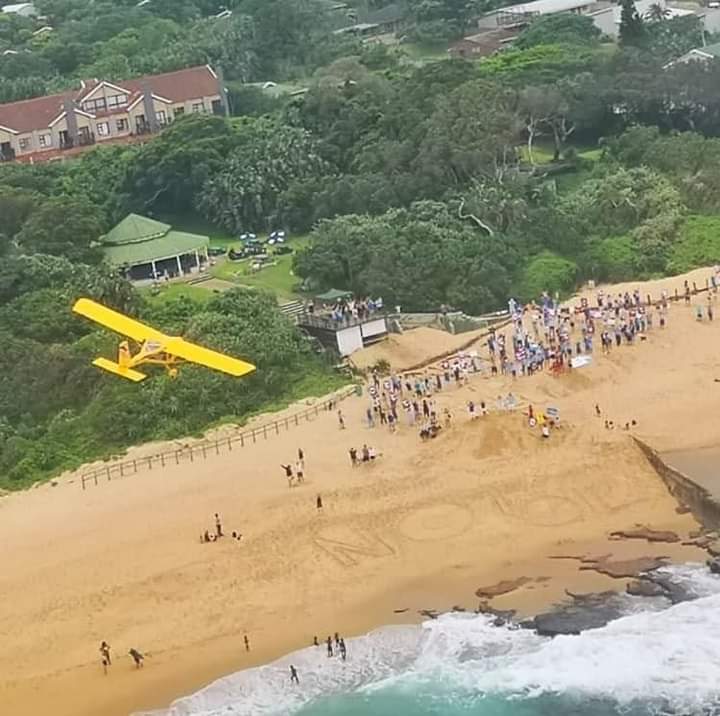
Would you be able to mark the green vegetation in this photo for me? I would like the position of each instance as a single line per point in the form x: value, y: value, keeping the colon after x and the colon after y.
x: 427, y: 183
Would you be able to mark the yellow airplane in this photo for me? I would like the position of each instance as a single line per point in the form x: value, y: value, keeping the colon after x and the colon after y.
x: 155, y: 347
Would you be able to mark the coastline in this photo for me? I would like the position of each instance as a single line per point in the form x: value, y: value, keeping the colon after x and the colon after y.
x: 422, y: 529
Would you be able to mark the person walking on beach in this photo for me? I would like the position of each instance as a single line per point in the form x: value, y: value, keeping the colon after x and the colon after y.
x: 218, y: 525
x: 318, y: 503
x: 247, y: 642
x: 294, y: 675
x: 353, y: 456
x: 105, y: 653
x: 299, y: 471
x: 288, y: 474
x: 301, y: 458
x: 341, y: 420
x: 343, y: 650
x: 329, y: 646
x: 138, y: 658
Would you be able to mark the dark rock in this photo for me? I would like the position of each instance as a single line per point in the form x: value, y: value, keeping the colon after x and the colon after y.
x: 714, y: 565
x: 713, y: 548
x: 645, y: 588
x: 587, y: 611
x: 502, y: 616
x: 458, y: 608
x: 673, y: 591
x: 647, y: 534
x: 682, y: 509
x: 400, y: 611
x: 429, y: 613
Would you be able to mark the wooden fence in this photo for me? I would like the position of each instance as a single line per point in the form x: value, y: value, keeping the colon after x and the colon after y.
x: 201, y: 450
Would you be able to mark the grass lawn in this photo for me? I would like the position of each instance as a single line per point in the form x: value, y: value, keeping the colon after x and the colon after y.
x: 175, y: 290
x: 277, y: 278
x: 421, y: 52
x: 542, y: 154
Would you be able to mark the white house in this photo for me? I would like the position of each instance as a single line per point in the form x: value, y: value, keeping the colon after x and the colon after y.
x: 26, y: 9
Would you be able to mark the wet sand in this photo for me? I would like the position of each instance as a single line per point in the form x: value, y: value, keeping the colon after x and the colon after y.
x: 422, y: 528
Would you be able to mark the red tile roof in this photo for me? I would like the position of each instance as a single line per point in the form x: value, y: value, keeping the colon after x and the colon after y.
x: 179, y: 86
x: 32, y: 114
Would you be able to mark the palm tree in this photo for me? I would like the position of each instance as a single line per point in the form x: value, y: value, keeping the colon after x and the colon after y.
x: 656, y: 12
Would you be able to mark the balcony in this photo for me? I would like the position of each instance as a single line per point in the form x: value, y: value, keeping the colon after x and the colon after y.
x: 84, y: 139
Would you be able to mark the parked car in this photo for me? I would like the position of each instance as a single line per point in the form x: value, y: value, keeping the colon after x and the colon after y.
x: 281, y: 249
x: 216, y: 251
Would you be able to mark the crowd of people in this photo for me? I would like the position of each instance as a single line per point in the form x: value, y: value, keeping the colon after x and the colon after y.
x: 348, y: 309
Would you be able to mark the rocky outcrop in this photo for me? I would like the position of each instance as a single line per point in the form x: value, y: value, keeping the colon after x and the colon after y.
x: 647, y: 534
x: 645, y: 588
x: 507, y: 585
x: 623, y: 569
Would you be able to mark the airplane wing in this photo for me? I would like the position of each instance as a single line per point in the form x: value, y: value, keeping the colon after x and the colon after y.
x: 204, y: 356
x: 117, y: 322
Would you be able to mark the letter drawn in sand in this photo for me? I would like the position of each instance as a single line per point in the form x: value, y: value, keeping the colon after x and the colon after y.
x: 349, y: 547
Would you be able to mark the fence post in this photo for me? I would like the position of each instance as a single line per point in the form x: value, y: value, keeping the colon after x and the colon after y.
x: 122, y: 470
x: 265, y: 431
x: 230, y: 444
x: 150, y: 462
x: 203, y: 449
x: 135, y: 465
x: 107, y: 469
x: 82, y: 480
x: 192, y: 457
x: 162, y: 459
x: 277, y: 428
x: 242, y: 440
x: 177, y: 458
x: 96, y: 480
x: 253, y: 434
x: 217, y: 448
x: 296, y: 419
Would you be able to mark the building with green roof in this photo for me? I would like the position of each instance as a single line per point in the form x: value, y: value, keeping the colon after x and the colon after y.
x: 147, y: 249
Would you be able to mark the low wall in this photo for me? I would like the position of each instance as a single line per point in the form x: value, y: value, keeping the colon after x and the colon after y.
x: 705, y: 509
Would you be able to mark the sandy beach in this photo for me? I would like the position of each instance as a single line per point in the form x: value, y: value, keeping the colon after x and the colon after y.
x: 422, y: 528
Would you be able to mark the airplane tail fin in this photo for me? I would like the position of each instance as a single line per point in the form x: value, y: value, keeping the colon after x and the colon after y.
x: 117, y: 369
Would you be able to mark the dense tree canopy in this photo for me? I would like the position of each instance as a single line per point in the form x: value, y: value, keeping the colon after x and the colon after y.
x: 424, y: 181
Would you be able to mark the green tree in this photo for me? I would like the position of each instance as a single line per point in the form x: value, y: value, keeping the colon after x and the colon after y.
x: 632, y: 28
x: 63, y: 226
x: 268, y: 158
x: 547, y: 272
x: 559, y: 29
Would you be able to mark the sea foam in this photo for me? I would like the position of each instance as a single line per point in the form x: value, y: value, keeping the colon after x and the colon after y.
x: 670, y: 656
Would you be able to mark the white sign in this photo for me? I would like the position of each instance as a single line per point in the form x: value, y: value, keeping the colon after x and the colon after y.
x: 580, y: 361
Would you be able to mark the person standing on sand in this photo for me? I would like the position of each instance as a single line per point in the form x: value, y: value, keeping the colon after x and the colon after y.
x: 294, y: 675
x: 247, y: 642
x: 318, y: 503
x: 329, y: 646
x: 138, y: 658
x: 105, y: 651
x: 353, y: 456
x: 218, y: 525
x: 301, y: 458
x: 343, y: 650
x: 341, y: 420
x: 299, y: 472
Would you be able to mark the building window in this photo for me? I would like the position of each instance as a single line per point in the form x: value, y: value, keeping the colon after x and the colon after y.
x: 95, y: 105
x: 179, y: 111
x: 45, y: 141
x: 103, y: 129
x: 161, y: 116
x: 117, y: 100
x: 25, y: 143
x: 198, y: 107
x: 122, y: 125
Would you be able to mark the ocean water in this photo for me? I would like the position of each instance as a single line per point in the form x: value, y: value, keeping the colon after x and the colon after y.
x: 656, y: 660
